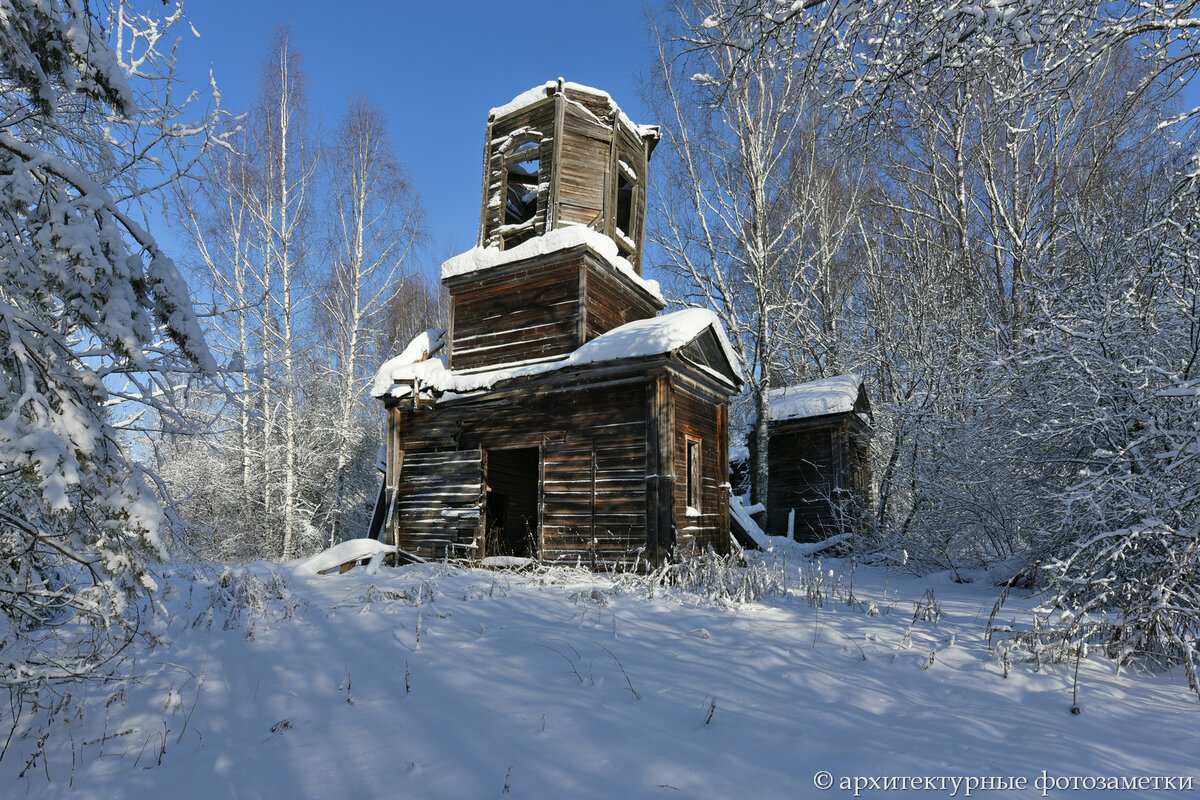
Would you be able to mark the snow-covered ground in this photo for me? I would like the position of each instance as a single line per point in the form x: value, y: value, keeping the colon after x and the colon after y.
x: 438, y: 682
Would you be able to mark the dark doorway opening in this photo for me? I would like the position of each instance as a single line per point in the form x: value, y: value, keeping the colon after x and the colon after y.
x: 512, y: 502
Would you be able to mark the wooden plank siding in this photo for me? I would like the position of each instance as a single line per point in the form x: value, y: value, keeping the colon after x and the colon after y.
x: 698, y: 419
x: 539, y: 309
x: 613, y: 460
x: 592, y: 505
x: 820, y: 468
x: 516, y: 315
x: 660, y: 467
x: 593, y: 499
x: 436, y: 509
x: 610, y: 303
x: 583, y: 172
x: 801, y: 465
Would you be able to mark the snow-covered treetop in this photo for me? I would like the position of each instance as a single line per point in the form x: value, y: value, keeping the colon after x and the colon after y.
x: 478, y: 259
x: 835, y: 395
x: 550, y: 88
x: 420, y: 361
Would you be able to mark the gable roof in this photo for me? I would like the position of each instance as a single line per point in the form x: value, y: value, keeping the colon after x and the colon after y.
x: 711, y: 351
x: 836, y: 395
x: 642, y: 338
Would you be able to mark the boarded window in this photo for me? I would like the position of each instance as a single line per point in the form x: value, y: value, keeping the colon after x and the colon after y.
x: 693, y: 474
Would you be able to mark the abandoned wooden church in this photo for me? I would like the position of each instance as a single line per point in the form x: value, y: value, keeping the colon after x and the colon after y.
x: 559, y: 417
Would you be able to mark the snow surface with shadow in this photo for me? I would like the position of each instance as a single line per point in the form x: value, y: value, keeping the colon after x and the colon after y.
x: 434, y: 681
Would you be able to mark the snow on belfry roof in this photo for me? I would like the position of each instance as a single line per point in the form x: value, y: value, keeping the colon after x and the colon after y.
x: 551, y: 88
x: 478, y: 259
x: 525, y: 98
x: 646, y: 337
x: 835, y: 395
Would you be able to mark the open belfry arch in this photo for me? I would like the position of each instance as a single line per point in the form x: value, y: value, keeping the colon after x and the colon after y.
x: 564, y: 154
x: 559, y: 417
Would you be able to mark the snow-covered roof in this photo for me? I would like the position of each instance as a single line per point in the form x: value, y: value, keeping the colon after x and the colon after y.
x: 551, y: 88
x: 478, y: 259
x: 641, y: 338
x: 835, y: 395
x: 415, y: 360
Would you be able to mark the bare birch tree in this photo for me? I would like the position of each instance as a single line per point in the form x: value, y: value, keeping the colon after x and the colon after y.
x: 376, y: 223
x: 756, y: 211
x: 281, y: 212
x: 311, y: 268
x: 250, y: 226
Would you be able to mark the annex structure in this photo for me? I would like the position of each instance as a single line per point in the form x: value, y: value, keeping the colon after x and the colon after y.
x: 818, y: 459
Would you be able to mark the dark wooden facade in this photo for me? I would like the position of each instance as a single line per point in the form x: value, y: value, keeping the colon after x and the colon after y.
x: 820, y: 473
x: 591, y: 466
x: 539, y: 309
x: 512, y: 448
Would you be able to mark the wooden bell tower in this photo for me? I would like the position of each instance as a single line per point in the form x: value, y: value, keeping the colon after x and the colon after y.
x: 559, y: 256
x: 564, y: 154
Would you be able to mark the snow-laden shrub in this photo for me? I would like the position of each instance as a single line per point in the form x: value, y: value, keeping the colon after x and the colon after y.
x: 1119, y: 548
x: 240, y: 598
x: 93, y: 316
x: 730, y: 579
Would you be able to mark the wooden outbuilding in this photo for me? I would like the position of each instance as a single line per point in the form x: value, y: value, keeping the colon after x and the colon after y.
x: 559, y: 418
x: 818, y: 459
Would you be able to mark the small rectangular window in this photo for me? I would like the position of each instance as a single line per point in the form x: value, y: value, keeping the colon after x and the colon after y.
x: 693, y: 474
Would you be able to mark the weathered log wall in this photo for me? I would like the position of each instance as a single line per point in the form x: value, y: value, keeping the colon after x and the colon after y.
x: 540, y: 309
x: 438, y: 501
x: 820, y: 471
x: 609, y: 479
x: 526, y: 314
x: 584, y: 153
x: 699, y: 420
x: 592, y: 443
x: 610, y: 302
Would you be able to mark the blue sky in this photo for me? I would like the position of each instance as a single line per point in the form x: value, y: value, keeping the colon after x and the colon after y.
x: 436, y: 68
